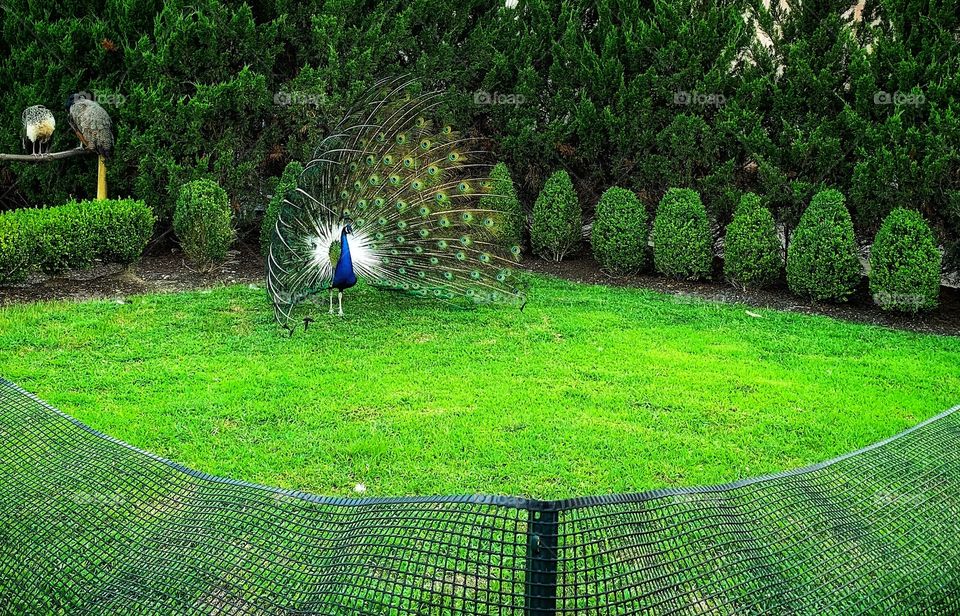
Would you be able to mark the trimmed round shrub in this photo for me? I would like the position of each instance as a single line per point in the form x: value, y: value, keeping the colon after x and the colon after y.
x: 504, y: 200
x: 822, y: 259
x: 201, y: 221
x: 65, y: 237
x: 619, y: 235
x: 288, y: 182
x: 557, y: 220
x: 905, y: 264
x: 752, y: 254
x: 682, y: 247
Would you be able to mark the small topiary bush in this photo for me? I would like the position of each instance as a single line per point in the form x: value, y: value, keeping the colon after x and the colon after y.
x: 905, y: 264
x: 822, y: 260
x: 201, y: 221
x: 682, y: 247
x: 71, y: 236
x: 510, y: 228
x: 557, y: 219
x: 619, y: 234
x: 752, y: 252
x: 288, y: 181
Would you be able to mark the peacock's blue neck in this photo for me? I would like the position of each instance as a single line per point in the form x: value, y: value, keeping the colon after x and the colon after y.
x: 343, y: 275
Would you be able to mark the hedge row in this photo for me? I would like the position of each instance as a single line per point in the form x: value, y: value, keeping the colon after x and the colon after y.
x: 71, y: 236
x: 821, y: 263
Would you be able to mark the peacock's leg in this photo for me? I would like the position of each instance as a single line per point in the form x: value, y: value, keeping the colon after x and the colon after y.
x: 331, y: 301
x: 340, y: 299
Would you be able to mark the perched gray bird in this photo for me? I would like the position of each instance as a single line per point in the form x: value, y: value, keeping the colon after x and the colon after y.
x: 38, y: 127
x: 91, y: 123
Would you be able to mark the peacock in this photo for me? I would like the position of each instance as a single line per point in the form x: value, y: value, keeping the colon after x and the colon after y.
x: 38, y: 127
x: 93, y: 127
x: 398, y: 201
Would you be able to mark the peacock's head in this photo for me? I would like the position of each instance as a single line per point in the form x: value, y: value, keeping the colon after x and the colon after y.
x: 73, y: 98
x: 348, y: 225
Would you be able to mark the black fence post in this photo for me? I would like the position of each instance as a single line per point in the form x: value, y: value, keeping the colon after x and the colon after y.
x: 541, y: 568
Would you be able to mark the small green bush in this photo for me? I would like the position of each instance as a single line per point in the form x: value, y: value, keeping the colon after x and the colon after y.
x: 682, y: 247
x: 905, y: 264
x: 822, y: 259
x: 72, y: 235
x: 752, y: 252
x: 619, y: 234
x: 505, y: 201
x: 201, y: 221
x: 557, y: 219
x: 288, y: 182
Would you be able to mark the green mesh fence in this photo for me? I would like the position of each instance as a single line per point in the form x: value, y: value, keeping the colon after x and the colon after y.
x: 91, y: 525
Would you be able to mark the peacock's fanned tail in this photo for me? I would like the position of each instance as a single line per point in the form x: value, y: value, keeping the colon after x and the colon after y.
x: 415, y: 194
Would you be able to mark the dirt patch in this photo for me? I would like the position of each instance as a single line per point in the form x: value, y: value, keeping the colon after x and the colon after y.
x: 166, y: 270
x: 162, y: 271
x: 582, y: 267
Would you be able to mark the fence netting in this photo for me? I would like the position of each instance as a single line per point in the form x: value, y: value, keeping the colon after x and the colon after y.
x: 89, y: 524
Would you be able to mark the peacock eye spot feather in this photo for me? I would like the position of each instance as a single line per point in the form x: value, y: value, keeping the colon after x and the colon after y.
x: 362, y: 203
x: 401, y: 224
x: 424, y: 211
x: 447, y: 130
x: 466, y: 217
x: 378, y: 236
x: 418, y: 250
x: 344, y: 194
x: 401, y: 205
x: 374, y: 180
x: 353, y: 166
x: 453, y: 157
x: 485, y: 258
x: 461, y: 256
x: 401, y: 270
x: 515, y: 251
x: 442, y: 244
x: 385, y: 259
x: 424, y: 233
x: 463, y: 187
x: 401, y: 139
x: 488, y: 222
x: 381, y: 137
x: 416, y: 185
x: 359, y: 222
x: 421, y: 122
x: 421, y: 274
x: 408, y: 162
x: 444, y: 222
x: 433, y: 170
x: 378, y: 202
x: 448, y: 275
x: 440, y: 197
x: 465, y: 240
x: 394, y: 180
x: 394, y: 252
x: 475, y: 275
x: 358, y: 185
x: 388, y: 160
x: 425, y: 144
x: 434, y: 261
x: 381, y: 221
x: 400, y: 239
x: 409, y: 261
x: 371, y: 161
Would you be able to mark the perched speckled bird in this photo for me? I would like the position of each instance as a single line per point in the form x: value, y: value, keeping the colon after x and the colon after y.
x: 93, y: 127
x: 395, y: 200
x: 91, y: 123
x: 38, y: 127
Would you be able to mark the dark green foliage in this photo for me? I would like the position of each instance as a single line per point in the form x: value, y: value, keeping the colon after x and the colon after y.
x: 643, y: 95
x: 201, y: 221
x: 682, y: 247
x: 822, y: 260
x: 753, y: 255
x: 288, y: 181
x: 511, y: 222
x: 71, y: 236
x: 905, y: 264
x: 557, y: 219
x: 619, y: 234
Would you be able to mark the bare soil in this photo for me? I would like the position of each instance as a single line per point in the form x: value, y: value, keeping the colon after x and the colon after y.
x: 167, y: 270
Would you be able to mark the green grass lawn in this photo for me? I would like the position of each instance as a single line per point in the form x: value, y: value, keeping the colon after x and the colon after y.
x: 589, y: 390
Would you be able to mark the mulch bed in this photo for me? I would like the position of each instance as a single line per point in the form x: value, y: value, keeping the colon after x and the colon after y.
x: 165, y: 269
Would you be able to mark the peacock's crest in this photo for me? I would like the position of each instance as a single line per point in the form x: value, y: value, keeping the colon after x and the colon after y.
x: 411, y: 195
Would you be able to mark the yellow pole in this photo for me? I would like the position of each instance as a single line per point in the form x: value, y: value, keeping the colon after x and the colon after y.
x: 101, y: 179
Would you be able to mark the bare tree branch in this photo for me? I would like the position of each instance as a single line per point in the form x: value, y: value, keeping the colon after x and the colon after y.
x: 29, y: 158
